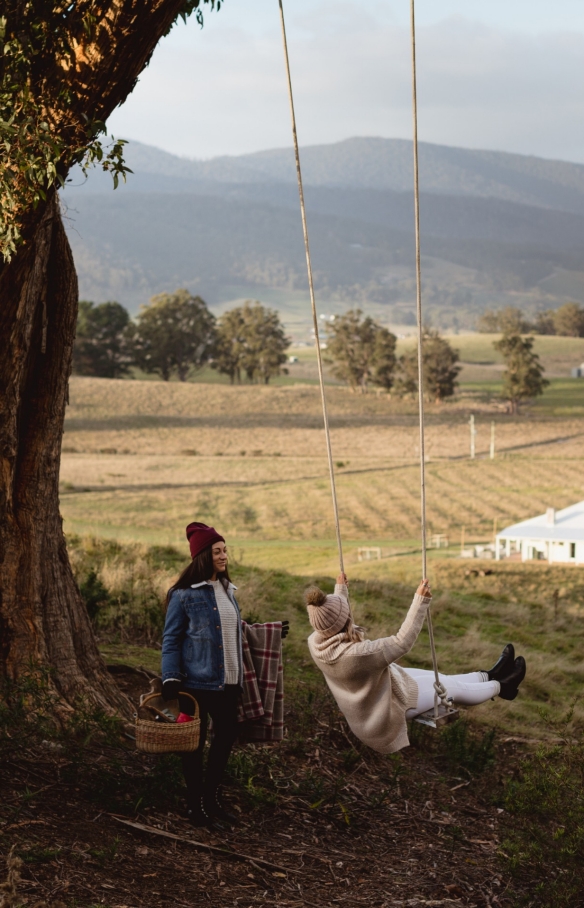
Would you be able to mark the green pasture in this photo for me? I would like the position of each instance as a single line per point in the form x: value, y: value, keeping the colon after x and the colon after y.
x: 558, y: 355
x: 478, y: 348
x: 562, y: 397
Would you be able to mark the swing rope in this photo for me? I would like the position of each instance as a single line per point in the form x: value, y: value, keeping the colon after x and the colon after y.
x: 312, y: 297
x: 440, y: 692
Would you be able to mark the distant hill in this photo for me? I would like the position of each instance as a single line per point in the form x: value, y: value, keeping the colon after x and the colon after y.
x: 497, y: 228
x: 375, y: 163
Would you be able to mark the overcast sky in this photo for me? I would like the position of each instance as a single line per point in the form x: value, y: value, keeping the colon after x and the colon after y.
x: 498, y: 74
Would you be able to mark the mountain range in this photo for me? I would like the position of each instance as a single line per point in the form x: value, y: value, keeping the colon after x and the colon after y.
x: 497, y: 229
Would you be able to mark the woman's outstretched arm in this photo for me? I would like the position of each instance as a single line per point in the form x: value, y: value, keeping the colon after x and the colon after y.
x: 401, y: 643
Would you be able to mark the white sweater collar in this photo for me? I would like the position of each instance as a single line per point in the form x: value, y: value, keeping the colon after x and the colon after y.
x: 195, y: 586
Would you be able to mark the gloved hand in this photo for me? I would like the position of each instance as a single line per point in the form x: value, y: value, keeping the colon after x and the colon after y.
x: 285, y: 629
x: 170, y: 690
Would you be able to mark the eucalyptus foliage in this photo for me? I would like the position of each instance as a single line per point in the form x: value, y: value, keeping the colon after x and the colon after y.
x: 523, y: 376
x: 441, y: 368
x: 46, y: 124
x: 174, y: 334
x: 250, y: 340
x: 361, y: 351
x: 102, y: 345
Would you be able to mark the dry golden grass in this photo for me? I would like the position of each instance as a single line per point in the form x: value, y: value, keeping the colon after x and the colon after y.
x: 289, y: 497
x: 134, y: 417
x: 260, y: 471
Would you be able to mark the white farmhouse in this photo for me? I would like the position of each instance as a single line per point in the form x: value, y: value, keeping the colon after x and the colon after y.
x: 556, y: 536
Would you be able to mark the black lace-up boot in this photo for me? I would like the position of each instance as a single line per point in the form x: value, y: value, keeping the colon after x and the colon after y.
x: 214, y: 806
x: 510, y: 684
x: 504, y: 664
x: 198, y: 816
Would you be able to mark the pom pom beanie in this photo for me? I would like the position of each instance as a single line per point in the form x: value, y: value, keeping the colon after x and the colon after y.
x: 327, y: 614
x: 201, y: 536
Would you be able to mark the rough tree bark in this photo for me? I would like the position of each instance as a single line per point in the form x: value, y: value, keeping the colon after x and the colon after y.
x: 43, y: 620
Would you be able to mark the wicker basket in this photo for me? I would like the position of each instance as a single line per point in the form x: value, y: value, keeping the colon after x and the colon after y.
x: 164, y: 738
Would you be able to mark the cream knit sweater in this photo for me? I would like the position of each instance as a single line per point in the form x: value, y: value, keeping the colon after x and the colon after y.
x: 372, y: 693
x: 229, y: 632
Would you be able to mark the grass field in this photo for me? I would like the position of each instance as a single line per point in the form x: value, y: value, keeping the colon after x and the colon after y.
x: 473, y: 617
x: 262, y: 502
x: 142, y: 459
x: 489, y: 810
x: 253, y: 461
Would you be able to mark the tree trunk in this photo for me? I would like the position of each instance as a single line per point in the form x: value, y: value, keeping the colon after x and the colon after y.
x: 43, y: 620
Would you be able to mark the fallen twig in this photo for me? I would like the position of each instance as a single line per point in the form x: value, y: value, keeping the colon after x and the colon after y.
x: 428, y: 903
x: 214, y: 849
x: 461, y: 785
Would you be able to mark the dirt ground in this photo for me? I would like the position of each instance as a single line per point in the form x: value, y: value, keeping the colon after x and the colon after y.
x: 323, y: 822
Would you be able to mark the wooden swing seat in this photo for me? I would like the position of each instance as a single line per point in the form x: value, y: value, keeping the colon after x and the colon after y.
x: 446, y: 715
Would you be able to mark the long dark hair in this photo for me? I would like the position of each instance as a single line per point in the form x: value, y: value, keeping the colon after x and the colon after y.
x: 200, y: 569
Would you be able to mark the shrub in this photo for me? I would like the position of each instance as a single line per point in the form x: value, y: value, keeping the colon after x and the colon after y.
x: 124, y: 586
x: 458, y: 746
x: 463, y: 748
x: 546, y: 803
x: 93, y: 593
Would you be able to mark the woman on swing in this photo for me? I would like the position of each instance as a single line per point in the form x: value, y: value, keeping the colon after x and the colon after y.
x: 376, y: 695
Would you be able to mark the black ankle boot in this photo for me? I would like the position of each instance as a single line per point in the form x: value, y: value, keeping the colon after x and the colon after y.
x: 504, y: 664
x: 510, y: 684
x: 198, y: 816
x: 215, y: 808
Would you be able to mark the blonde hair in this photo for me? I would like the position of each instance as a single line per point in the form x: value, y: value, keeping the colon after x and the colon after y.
x: 355, y: 633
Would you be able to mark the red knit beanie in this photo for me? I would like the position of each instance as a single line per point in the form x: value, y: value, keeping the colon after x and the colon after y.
x: 201, y: 536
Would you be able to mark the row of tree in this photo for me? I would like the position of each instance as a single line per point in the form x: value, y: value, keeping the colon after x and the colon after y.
x: 567, y: 321
x: 361, y: 352
x: 176, y: 335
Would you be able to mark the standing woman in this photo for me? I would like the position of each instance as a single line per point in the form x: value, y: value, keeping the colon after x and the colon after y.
x: 202, y: 655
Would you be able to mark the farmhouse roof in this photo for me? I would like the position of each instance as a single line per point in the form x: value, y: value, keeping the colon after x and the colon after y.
x: 564, y: 526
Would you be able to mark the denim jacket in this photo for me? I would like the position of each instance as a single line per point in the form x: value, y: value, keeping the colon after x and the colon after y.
x: 192, y: 643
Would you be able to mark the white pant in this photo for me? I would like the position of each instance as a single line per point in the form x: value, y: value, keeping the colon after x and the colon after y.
x: 468, y: 690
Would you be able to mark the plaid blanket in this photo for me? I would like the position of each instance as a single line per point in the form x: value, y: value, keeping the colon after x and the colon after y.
x: 261, y: 708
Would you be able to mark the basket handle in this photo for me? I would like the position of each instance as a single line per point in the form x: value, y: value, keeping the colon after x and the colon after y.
x: 183, y: 693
